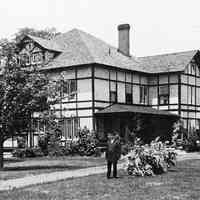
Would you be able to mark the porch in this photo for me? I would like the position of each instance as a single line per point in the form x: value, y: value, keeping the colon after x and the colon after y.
x: 125, y: 119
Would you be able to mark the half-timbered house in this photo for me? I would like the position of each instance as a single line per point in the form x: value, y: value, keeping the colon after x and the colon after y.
x: 102, y: 81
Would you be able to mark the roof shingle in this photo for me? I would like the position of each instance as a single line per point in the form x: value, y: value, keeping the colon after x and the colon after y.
x: 47, y: 44
x: 83, y: 48
x: 77, y: 48
x: 167, y: 62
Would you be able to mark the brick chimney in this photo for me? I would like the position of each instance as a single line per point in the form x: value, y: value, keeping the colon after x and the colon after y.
x: 123, y: 39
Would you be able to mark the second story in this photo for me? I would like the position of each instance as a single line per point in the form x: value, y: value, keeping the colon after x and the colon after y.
x: 93, y: 70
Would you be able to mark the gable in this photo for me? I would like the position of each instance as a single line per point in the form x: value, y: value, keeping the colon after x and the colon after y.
x: 79, y: 48
x: 33, y: 53
x: 193, y: 67
x: 172, y: 62
x: 27, y: 45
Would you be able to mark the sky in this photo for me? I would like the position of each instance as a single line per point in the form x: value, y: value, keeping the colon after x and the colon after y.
x: 157, y: 26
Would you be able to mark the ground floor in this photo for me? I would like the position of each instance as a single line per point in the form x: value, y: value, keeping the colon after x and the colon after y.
x: 114, y: 118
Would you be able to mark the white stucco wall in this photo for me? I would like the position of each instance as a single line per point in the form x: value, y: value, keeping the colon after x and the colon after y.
x: 101, y: 72
x: 136, y: 94
x: 121, y: 93
x: 84, y: 89
x: 101, y: 88
x: 84, y: 72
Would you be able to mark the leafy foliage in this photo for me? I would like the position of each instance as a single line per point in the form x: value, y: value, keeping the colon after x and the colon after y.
x: 47, y: 33
x: 27, y: 152
x: 192, y: 143
x: 50, y: 142
x: 87, y: 142
x: 22, y: 91
x: 148, y: 160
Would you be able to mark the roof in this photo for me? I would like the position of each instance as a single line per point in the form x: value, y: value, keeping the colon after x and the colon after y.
x: 83, y: 48
x: 121, y: 108
x: 79, y: 48
x: 47, y: 44
x: 172, y: 62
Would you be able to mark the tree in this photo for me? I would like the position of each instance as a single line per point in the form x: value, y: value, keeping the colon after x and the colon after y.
x: 22, y: 92
x: 48, y: 33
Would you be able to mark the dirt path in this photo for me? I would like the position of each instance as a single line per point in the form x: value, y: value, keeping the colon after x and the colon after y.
x: 61, y: 175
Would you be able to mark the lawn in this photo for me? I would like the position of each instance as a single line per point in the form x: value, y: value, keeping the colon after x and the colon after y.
x: 182, y: 182
x: 40, y: 165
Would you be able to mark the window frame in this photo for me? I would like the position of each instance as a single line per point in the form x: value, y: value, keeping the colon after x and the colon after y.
x: 143, y: 94
x: 163, y: 97
x: 113, y: 92
x: 129, y: 95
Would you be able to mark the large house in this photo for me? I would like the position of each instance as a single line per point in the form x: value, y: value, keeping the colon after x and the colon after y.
x: 102, y: 81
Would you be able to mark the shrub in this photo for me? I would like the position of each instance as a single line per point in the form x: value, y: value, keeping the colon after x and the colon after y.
x: 19, y: 153
x: 147, y: 160
x: 126, y: 148
x: 27, y: 152
x: 74, y: 147
x: 65, y: 151
x: 87, y: 142
x: 191, y: 144
x: 21, y: 142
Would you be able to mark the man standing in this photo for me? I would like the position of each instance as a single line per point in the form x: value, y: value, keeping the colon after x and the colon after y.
x: 113, y: 153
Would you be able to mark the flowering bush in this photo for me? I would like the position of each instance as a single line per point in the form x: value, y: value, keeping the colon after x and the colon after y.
x: 147, y: 160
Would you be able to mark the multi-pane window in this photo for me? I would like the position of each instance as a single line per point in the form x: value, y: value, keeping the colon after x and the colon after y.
x: 113, y: 92
x: 70, y: 127
x: 163, y: 95
x: 24, y: 59
x: 37, y: 57
x: 69, y: 88
x: 129, y: 94
x: 143, y: 94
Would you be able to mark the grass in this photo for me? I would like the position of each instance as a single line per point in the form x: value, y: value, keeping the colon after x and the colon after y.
x: 46, y: 165
x: 182, y: 182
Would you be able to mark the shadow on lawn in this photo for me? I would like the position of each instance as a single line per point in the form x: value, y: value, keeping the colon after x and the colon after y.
x: 39, y: 167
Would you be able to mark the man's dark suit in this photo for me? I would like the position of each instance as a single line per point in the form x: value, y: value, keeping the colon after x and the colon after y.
x: 113, y: 153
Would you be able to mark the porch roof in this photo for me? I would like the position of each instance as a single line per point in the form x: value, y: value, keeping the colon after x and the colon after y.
x: 120, y: 108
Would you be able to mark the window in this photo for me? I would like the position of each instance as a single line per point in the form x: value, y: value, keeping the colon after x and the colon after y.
x: 129, y: 95
x: 143, y: 94
x: 191, y: 96
x: 37, y: 57
x: 69, y: 88
x: 24, y: 59
x: 72, y: 87
x: 70, y: 127
x: 113, y: 92
x: 163, y: 95
x: 29, y: 46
